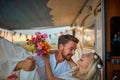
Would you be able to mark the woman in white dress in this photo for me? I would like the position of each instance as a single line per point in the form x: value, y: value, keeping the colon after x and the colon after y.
x: 88, y: 68
x: 11, y: 56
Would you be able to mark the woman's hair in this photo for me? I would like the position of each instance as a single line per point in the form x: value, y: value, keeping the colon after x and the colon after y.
x: 63, y: 39
x: 94, y: 71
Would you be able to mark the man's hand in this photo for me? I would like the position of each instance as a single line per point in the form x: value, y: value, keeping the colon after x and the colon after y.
x: 28, y: 64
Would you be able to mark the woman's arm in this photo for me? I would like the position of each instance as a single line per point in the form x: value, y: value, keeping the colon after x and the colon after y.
x: 48, y: 70
x: 28, y: 64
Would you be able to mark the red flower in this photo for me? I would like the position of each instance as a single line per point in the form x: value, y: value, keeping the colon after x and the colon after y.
x: 13, y: 76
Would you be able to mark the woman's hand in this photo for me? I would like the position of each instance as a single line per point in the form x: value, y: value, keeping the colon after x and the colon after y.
x: 28, y: 64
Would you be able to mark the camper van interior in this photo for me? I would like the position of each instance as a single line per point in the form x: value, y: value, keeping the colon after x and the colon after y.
x: 94, y: 22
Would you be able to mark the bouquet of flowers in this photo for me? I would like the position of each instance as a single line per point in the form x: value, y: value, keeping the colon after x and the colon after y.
x: 39, y: 43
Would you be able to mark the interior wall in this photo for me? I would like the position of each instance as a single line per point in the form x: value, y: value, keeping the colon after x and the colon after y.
x: 91, y: 18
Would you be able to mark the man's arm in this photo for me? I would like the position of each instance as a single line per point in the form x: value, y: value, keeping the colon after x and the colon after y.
x: 49, y: 74
x: 28, y: 64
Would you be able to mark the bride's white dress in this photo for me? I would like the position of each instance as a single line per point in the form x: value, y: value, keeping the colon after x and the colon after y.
x: 10, y: 55
x: 68, y: 74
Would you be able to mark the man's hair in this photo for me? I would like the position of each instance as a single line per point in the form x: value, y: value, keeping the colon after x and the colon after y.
x: 63, y: 39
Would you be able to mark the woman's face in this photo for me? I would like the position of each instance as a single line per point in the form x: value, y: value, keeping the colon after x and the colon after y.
x: 85, y: 60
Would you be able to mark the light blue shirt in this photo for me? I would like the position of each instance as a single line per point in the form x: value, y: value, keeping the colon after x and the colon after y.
x: 59, y: 69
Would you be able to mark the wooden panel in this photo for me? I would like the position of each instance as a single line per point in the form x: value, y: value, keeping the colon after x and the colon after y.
x: 112, y: 9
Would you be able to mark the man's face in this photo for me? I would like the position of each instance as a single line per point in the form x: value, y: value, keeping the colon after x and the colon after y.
x: 68, y: 50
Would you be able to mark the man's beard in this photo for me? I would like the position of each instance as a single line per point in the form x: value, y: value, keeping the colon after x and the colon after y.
x: 65, y: 56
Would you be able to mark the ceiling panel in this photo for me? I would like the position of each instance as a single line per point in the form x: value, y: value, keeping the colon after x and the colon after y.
x: 64, y: 11
x: 28, y: 14
x: 24, y: 14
